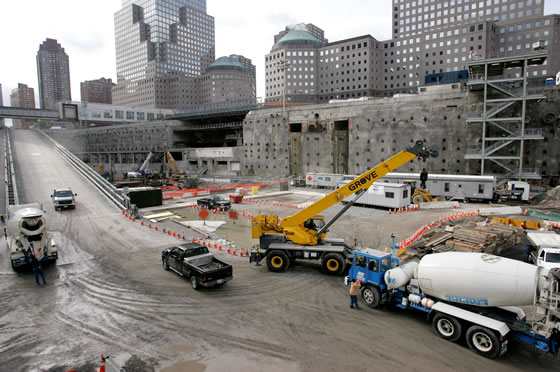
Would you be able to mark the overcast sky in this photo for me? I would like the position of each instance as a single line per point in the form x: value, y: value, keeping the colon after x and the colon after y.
x: 85, y: 30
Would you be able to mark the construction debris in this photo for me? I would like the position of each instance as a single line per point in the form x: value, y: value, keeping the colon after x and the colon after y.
x: 492, y: 238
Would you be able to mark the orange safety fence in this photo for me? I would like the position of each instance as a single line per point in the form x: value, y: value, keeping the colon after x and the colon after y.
x: 209, y: 190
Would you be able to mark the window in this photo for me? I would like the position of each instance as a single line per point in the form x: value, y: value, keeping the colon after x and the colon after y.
x: 390, y: 195
x: 130, y: 114
x: 360, y: 261
x: 373, y: 266
x: 446, y: 186
x: 119, y: 115
x: 481, y: 188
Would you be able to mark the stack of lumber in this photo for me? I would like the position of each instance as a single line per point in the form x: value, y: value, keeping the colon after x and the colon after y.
x: 494, y: 238
x: 472, y: 240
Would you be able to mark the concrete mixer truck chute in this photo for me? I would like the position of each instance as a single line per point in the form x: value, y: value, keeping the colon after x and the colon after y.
x: 468, y: 295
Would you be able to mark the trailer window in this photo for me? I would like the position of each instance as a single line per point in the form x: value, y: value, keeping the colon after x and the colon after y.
x: 405, y: 194
x: 390, y: 195
x: 553, y: 257
x: 481, y: 188
x: 373, y: 265
x: 446, y: 185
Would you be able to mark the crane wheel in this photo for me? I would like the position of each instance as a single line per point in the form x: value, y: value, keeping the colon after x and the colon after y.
x: 333, y: 264
x: 277, y: 261
x: 417, y: 199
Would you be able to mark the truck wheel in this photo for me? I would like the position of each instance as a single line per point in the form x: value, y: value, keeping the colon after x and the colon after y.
x: 447, y: 327
x: 194, y: 283
x: 277, y: 261
x: 483, y: 341
x: 371, y: 296
x: 165, y: 264
x: 333, y: 264
x: 417, y: 199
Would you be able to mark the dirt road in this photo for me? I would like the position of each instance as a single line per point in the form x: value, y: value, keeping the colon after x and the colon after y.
x: 109, y: 294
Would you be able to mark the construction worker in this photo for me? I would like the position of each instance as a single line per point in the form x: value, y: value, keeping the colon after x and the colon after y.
x: 423, y: 178
x: 37, y: 269
x: 354, y: 286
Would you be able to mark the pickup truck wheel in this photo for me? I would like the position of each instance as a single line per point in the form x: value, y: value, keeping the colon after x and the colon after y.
x: 447, y: 327
x: 371, y: 296
x: 194, y: 283
x: 277, y: 261
x: 483, y: 341
x: 165, y: 264
x: 333, y: 264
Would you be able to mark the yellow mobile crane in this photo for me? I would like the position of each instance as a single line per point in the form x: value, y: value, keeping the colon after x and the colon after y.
x: 304, y: 235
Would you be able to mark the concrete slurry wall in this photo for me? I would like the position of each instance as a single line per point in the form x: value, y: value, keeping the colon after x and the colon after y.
x: 379, y: 128
x: 376, y: 130
x: 340, y: 137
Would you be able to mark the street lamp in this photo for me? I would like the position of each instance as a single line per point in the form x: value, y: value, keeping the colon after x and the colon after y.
x: 284, y: 65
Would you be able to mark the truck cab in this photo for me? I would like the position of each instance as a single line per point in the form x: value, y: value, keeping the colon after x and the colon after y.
x: 63, y: 198
x: 544, y: 249
x: 369, y: 267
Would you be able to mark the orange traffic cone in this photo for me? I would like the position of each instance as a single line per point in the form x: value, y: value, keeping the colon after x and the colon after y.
x: 102, y: 365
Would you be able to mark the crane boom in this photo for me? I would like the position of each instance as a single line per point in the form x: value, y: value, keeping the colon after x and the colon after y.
x: 293, y: 226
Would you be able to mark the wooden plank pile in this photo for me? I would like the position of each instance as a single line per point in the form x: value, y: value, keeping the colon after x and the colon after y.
x: 471, y: 240
x: 493, y: 239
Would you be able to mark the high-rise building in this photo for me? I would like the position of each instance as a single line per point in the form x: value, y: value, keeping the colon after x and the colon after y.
x: 433, y: 40
x: 53, y: 71
x: 228, y: 80
x: 162, y: 46
x: 97, y: 91
x: 22, y: 96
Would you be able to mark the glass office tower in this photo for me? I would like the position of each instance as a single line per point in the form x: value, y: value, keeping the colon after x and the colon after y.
x: 162, y: 46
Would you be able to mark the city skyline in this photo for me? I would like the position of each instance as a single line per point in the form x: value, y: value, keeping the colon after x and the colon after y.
x: 247, y: 30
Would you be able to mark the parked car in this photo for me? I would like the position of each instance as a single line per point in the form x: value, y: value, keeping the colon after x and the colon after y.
x: 214, y: 202
x: 194, y: 261
x: 63, y: 198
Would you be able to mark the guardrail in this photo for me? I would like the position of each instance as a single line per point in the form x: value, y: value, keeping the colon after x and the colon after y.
x: 120, y: 200
x: 10, y: 174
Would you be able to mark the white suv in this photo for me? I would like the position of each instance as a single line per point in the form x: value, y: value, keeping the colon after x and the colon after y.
x: 63, y: 198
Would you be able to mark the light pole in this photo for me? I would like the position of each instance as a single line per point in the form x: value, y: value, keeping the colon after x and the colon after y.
x: 284, y: 65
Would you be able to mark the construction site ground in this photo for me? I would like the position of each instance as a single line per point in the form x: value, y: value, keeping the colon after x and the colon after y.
x: 108, y: 293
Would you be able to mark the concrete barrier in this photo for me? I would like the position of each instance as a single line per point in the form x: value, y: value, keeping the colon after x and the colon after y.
x: 499, y: 210
x: 439, y: 205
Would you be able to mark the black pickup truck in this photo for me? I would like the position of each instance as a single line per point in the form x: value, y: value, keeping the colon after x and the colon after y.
x: 214, y: 202
x: 192, y: 260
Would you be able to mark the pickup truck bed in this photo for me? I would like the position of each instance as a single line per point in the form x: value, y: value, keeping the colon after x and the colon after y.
x: 193, y: 261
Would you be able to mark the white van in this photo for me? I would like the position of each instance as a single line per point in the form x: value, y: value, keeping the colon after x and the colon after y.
x: 545, y: 249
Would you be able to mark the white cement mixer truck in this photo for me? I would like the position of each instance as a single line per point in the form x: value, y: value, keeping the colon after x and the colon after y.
x: 26, y: 233
x: 470, y: 295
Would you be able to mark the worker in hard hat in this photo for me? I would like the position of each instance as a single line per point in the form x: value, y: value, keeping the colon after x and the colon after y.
x: 354, y: 287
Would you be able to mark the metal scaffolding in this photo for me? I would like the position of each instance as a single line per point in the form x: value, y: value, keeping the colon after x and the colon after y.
x: 503, y: 84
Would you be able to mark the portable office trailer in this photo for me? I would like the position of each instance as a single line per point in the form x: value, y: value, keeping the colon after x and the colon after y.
x: 328, y: 180
x: 458, y: 187
x: 387, y: 195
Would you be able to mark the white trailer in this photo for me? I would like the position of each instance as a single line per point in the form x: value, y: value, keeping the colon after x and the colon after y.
x: 318, y: 180
x: 452, y: 187
x: 387, y: 195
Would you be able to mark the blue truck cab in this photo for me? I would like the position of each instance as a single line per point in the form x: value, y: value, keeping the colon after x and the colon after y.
x: 369, y: 267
